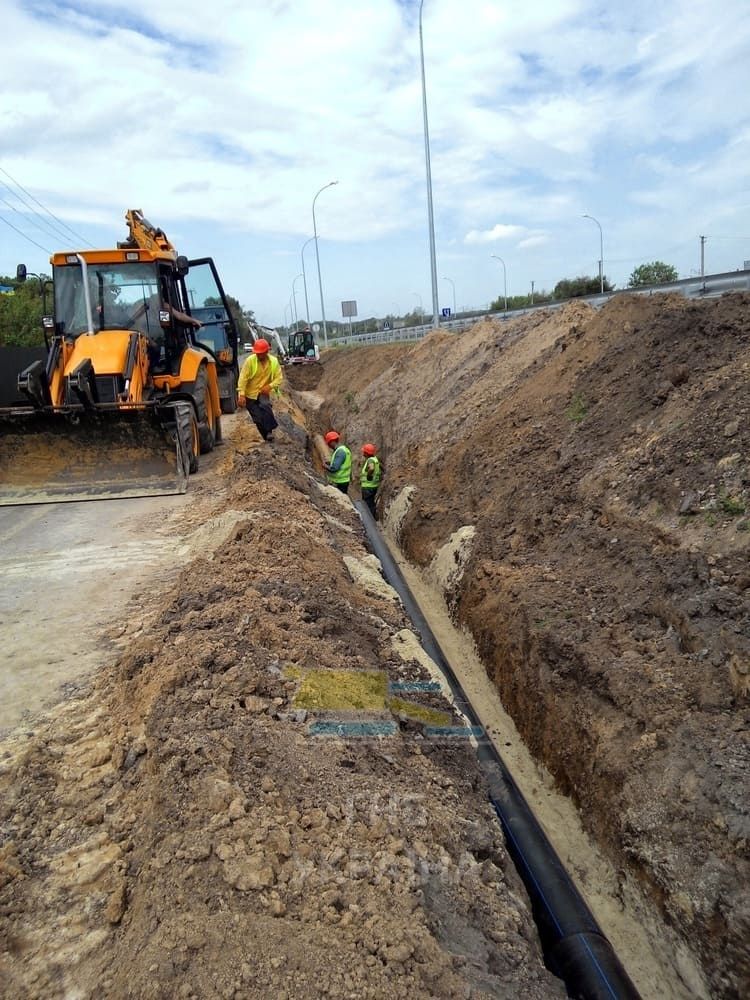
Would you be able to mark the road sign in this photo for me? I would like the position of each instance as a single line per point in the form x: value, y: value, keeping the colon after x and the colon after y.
x: 349, y: 308
x: 386, y: 325
x: 316, y: 327
x: 445, y: 313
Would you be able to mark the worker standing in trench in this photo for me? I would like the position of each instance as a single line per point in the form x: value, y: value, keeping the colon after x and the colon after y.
x: 339, y: 467
x: 370, y: 476
x: 259, y: 379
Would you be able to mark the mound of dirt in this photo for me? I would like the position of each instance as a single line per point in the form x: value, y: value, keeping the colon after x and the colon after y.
x: 240, y: 806
x: 601, y: 459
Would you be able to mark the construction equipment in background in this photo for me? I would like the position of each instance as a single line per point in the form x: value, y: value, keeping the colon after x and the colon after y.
x: 258, y: 331
x: 302, y: 349
x: 304, y: 369
x: 129, y: 394
x: 218, y: 335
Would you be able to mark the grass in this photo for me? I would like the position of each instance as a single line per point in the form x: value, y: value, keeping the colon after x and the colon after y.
x: 577, y: 409
x: 731, y: 505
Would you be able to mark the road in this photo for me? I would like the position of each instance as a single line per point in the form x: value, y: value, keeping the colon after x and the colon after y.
x: 68, y: 572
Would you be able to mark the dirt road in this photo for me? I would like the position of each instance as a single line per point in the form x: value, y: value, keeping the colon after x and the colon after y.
x: 68, y: 573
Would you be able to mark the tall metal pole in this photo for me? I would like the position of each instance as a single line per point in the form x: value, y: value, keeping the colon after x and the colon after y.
x: 304, y: 277
x: 453, y: 284
x: 601, y: 252
x: 317, y: 258
x: 293, y: 307
x: 294, y: 296
x: 430, y: 218
x: 417, y: 295
x: 703, y: 259
x: 505, y: 280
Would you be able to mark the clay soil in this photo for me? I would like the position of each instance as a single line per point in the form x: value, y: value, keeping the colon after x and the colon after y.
x: 203, y: 818
x: 602, y: 460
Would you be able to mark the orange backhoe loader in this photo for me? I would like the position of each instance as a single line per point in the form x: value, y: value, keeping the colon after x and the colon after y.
x: 129, y: 394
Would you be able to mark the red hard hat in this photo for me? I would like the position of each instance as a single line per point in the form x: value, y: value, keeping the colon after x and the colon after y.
x: 261, y: 346
x: 330, y: 437
x: 369, y: 450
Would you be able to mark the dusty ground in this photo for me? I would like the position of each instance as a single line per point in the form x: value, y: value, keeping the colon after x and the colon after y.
x: 203, y: 820
x: 602, y: 461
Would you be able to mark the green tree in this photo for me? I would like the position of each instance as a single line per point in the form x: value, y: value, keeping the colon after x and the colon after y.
x: 573, y: 288
x: 655, y: 273
x: 21, y: 314
x: 541, y: 298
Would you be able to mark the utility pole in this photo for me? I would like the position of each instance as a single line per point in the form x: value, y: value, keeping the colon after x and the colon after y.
x: 428, y: 170
x: 532, y: 293
x: 703, y: 254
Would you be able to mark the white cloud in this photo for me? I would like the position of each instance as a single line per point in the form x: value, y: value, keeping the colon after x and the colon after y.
x: 498, y: 232
x: 223, y: 123
x: 539, y: 240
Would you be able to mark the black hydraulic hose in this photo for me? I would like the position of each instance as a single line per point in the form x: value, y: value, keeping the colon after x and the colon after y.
x: 575, y: 948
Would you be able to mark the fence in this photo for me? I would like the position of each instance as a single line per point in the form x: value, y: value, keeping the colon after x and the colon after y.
x: 706, y: 287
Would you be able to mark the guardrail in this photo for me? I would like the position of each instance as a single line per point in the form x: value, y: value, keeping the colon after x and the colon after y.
x: 706, y: 287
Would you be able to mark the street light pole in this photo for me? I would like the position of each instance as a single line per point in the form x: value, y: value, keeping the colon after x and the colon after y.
x: 601, y: 252
x: 304, y: 277
x: 293, y: 308
x: 430, y: 218
x: 317, y: 258
x: 453, y: 284
x: 421, y: 307
x: 505, y: 280
x: 294, y: 296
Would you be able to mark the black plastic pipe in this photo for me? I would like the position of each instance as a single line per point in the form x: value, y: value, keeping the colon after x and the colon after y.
x: 575, y: 948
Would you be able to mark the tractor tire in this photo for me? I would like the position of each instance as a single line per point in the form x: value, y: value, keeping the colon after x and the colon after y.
x: 187, y: 431
x: 204, y: 408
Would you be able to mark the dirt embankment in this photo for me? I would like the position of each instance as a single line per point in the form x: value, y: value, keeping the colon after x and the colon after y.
x: 212, y: 820
x: 602, y: 461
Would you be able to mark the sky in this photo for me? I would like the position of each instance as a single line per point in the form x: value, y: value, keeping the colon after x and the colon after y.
x: 222, y: 121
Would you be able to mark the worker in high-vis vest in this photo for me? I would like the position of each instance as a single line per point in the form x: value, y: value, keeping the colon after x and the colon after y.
x: 259, y: 379
x: 339, y: 466
x: 370, y: 476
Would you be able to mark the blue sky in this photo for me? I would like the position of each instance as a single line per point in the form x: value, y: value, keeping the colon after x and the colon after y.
x: 222, y: 123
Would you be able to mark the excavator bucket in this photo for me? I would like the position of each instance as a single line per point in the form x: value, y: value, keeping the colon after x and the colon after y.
x: 45, y: 458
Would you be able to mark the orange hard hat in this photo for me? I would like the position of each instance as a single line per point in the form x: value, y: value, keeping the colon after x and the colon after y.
x: 369, y: 450
x: 330, y: 437
x: 261, y: 346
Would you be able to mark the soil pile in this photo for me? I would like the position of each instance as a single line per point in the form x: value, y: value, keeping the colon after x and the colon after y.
x: 244, y: 804
x: 601, y: 459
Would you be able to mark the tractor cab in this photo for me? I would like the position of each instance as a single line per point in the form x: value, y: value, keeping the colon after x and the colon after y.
x: 302, y: 348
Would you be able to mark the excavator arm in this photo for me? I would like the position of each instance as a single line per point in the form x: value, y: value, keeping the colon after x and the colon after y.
x: 144, y: 235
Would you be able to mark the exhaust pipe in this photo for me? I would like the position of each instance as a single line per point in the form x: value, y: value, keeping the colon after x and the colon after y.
x: 575, y: 949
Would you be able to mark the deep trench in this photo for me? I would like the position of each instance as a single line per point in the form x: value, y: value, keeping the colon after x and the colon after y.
x: 574, y: 946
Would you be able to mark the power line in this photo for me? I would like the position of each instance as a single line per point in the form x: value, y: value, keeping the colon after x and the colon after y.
x: 21, y: 233
x: 44, y: 208
x: 49, y: 231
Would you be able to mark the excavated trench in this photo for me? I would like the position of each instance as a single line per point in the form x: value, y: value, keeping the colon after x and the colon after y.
x: 599, y: 932
x: 568, y: 492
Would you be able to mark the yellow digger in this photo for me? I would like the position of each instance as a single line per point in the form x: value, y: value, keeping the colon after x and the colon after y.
x: 129, y: 395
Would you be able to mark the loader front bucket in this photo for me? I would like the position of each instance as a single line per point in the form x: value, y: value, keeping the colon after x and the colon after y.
x: 47, y: 458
